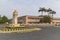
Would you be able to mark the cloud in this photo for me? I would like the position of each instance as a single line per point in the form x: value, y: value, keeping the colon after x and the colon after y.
x: 26, y: 7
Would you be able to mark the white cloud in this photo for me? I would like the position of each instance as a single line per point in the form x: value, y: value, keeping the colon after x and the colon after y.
x: 27, y: 7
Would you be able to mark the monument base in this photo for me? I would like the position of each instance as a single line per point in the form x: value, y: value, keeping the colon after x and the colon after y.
x: 14, y: 25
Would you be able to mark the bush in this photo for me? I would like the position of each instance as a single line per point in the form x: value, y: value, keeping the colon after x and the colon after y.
x: 46, y: 19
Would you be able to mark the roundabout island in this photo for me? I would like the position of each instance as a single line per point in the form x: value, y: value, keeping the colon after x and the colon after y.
x: 14, y: 27
x: 18, y: 29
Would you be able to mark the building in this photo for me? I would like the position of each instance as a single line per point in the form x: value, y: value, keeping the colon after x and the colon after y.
x: 29, y: 19
x: 34, y: 20
x: 56, y: 20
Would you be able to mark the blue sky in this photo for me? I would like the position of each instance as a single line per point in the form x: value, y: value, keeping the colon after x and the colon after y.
x: 28, y: 7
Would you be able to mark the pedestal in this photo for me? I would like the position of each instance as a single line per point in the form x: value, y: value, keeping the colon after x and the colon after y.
x: 14, y: 25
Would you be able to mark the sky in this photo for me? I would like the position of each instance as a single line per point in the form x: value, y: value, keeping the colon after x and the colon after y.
x: 28, y: 7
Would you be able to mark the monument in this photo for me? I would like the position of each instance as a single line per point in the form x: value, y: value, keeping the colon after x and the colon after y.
x: 15, y: 19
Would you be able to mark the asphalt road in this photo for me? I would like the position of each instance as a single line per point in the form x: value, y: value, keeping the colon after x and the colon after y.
x: 48, y: 33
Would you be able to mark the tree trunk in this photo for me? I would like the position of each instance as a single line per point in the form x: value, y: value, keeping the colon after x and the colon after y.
x: 52, y: 18
x: 42, y: 13
x: 48, y: 13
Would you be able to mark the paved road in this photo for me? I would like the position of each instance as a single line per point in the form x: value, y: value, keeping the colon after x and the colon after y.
x: 48, y: 33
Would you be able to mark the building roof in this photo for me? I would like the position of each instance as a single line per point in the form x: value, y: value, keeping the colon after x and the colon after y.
x: 38, y: 17
x: 27, y: 15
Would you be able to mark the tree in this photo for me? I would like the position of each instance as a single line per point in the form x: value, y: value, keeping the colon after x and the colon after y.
x: 45, y: 19
x: 4, y: 19
x: 42, y: 10
x: 0, y: 19
x: 48, y: 10
x: 52, y: 12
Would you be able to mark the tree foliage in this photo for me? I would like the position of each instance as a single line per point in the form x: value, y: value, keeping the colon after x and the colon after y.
x: 42, y: 10
x: 3, y: 19
x: 49, y: 11
x: 46, y: 19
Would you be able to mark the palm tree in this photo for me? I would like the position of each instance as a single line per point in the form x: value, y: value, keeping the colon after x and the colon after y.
x: 48, y: 10
x: 42, y: 10
x: 52, y: 12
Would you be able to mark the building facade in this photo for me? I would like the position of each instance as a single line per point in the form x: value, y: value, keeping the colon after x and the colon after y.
x: 29, y: 19
x: 35, y: 20
x: 56, y: 20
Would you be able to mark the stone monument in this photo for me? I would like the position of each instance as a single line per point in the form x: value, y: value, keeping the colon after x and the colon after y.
x: 15, y: 19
